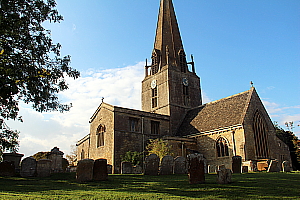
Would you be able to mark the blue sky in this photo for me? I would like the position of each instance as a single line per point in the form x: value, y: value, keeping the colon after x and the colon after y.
x: 233, y: 42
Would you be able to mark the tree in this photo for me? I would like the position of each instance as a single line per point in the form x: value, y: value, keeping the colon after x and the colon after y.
x: 41, y: 155
x: 134, y: 157
x: 159, y: 147
x: 72, y: 157
x: 291, y: 140
x: 31, y: 68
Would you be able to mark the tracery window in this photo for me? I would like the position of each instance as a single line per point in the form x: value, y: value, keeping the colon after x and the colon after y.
x: 182, y: 61
x: 154, y: 97
x: 222, y: 147
x: 260, y: 136
x: 100, y: 135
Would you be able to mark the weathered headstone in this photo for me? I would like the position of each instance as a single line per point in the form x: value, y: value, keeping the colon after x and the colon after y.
x: 28, y: 167
x: 262, y: 165
x: 151, y: 165
x: 84, y: 171
x: 167, y: 165
x: 7, y: 168
x: 56, y: 157
x: 286, y: 166
x: 14, y: 157
x: 236, y: 164
x: 273, y: 167
x: 109, y: 169
x: 126, y: 168
x: 221, y: 167
x: 43, y: 168
x: 100, y: 170
x: 137, y: 169
x: 180, y: 165
x: 224, y: 176
x: 196, y: 168
x: 212, y: 168
x: 245, y: 169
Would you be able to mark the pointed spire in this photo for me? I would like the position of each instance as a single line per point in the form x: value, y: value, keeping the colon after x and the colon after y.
x: 167, y: 41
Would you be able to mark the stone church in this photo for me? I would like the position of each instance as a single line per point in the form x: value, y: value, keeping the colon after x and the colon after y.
x: 172, y: 109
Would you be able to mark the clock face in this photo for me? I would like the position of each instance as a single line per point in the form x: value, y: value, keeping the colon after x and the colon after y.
x: 153, y: 84
x: 185, y: 81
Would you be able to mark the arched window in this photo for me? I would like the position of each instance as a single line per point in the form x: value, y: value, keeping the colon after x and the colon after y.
x: 260, y: 136
x: 222, y: 147
x: 100, y: 135
x: 182, y: 61
x: 155, y: 62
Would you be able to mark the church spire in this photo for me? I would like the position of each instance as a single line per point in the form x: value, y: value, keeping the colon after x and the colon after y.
x: 168, y: 44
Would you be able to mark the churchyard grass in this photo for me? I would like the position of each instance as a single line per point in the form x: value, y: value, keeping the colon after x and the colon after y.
x: 64, y: 186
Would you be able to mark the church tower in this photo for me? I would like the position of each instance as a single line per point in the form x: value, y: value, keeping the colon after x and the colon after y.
x: 170, y: 86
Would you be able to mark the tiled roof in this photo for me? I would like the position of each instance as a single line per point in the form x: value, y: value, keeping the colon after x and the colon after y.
x: 217, y: 114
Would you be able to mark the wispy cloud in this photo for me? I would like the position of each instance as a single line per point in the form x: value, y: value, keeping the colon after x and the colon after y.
x: 43, y: 131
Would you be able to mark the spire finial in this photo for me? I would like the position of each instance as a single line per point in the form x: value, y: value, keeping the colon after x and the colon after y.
x: 251, y: 83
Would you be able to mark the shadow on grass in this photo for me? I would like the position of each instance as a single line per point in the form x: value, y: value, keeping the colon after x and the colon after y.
x: 244, y: 186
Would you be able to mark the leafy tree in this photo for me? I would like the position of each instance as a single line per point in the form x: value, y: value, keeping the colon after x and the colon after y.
x: 31, y: 67
x: 291, y: 140
x: 41, y: 155
x: 159, y: 147
x: 132, y: 156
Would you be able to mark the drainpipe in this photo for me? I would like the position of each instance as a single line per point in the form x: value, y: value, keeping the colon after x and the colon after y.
x: 233, y: 141
x: 143, y: 140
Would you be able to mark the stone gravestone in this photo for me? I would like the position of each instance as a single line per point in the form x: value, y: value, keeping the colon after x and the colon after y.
x: 167, y: 165
x: 126, y: 168
x: 286, y: 166
x: 196, y: 168
x: 151, y: 165
x: 180, y: 165
x: 84, y: 171
x: 100, y: 170
x: 273, y: 167
x: 7, y: 168
x: 109, y: 169
x: 56, y: 157
x: 236, y: 164
x: 28, y: 167
x: 14, y: 157
x: 212, y: 168
x: 224, y: 176
x: 137, y: 169
x: 43, y: 167
x: 253, y: 166
x: 245, y: 169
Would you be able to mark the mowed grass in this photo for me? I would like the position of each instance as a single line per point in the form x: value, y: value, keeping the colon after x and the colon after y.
x: 64, y: 186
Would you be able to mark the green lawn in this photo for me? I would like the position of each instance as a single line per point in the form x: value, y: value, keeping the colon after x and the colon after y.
x: 64, y: 186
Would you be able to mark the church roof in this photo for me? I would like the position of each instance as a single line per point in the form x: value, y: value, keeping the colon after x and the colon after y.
x: 225, y: 112
x: 167, y: 32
